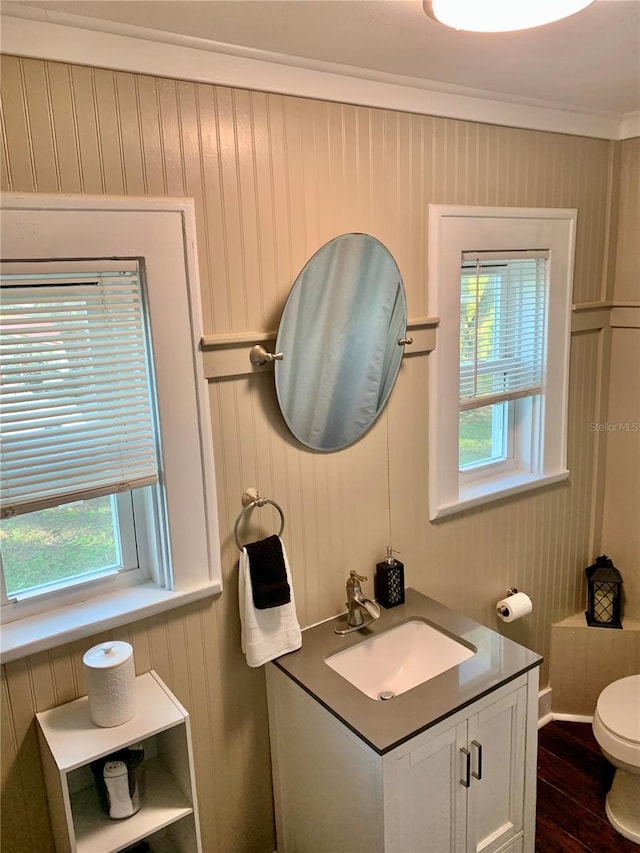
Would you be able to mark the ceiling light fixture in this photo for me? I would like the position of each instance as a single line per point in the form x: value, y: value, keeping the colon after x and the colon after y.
x: 498, y: 16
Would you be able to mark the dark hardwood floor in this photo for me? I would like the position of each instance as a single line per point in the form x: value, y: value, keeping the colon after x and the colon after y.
x: 573, y: 780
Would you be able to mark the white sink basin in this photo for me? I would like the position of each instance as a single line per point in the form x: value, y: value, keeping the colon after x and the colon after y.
x: 399, y: 659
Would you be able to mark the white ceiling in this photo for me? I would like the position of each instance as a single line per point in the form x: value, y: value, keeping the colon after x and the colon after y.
x: 588, y: 63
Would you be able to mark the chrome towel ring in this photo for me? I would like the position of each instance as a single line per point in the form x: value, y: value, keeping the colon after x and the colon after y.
x: 251, y: 499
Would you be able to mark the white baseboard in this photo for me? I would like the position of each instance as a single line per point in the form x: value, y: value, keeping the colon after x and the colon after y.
x: 569, y: 718
x: 546, y: 715
x: 573, y: 718
x: 544, y: 706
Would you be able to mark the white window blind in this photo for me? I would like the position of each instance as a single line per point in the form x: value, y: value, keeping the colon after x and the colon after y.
x: 77, y: 415
x: 502, y: 326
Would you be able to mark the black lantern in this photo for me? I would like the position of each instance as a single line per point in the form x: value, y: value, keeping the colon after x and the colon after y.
x: 604, y: 593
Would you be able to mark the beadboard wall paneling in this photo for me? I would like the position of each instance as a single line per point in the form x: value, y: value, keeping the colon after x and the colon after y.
x: 627, y: 279
x: 585, y: 660
x: 273, y: 178
x: 327, y: 498
x: 620, y: 530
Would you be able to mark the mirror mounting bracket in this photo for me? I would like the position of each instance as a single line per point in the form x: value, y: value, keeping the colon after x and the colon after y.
x: 259, y: 356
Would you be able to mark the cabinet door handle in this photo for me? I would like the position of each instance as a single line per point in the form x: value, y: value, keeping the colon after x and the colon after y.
x: 467, y: 755
x: 477, y: 774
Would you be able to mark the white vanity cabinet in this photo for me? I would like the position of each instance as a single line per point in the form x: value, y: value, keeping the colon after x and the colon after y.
x: 69, y: 742
x: 465, y: 784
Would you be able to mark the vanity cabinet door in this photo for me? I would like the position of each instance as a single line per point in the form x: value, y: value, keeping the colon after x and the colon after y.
x: 459, y: 788
x: 496, y: 741
x: 426, y: 803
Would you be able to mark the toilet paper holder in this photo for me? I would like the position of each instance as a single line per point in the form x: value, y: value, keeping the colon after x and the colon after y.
x: 514, y: 606
x: 511, y: 591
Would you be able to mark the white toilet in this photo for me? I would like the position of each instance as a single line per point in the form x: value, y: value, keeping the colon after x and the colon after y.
x: 616, y: 726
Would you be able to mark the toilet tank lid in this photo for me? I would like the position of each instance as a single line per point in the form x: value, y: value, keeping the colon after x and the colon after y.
x: 619, y: 708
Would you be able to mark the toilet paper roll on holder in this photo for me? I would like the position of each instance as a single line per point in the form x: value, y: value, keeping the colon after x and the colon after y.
x: 503, y: 610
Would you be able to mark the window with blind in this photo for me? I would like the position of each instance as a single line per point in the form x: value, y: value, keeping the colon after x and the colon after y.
x: 108, y: 475
x: 78, y: 432
x: 500, y: 283
x: 502, y: 349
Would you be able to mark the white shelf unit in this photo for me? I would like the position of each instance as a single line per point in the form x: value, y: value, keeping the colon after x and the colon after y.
x: 70, y: 741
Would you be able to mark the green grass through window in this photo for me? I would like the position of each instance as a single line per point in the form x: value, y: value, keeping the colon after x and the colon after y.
x: 476, y: 440
x: 58, y: 543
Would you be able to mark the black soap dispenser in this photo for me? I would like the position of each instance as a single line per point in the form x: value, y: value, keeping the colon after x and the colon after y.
x: 389, y: 581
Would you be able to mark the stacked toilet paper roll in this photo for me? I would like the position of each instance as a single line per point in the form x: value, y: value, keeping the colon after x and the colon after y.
x: 514, y: 607
x: 110, y: 675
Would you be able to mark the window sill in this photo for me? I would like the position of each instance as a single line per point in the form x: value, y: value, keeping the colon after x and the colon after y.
x: 75, y: 622
x: 485, y: 491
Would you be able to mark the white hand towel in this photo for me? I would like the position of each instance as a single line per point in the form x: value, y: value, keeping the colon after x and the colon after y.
x: 266, y: 634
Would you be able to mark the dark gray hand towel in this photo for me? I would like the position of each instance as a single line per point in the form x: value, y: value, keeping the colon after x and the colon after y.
x: 268, y: 573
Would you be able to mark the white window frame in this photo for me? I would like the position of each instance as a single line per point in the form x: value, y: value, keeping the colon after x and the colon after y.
x: 162, y: 233
x: 541, y: 422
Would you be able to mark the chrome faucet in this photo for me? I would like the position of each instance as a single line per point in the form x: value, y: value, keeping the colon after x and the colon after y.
x: 356, y: 603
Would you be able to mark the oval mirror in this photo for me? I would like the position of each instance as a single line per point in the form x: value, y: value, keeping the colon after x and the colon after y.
x: 339, y: 335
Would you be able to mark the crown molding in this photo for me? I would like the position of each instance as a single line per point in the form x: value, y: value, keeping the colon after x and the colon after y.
x: 62, y: 37
x: 630, y: 126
